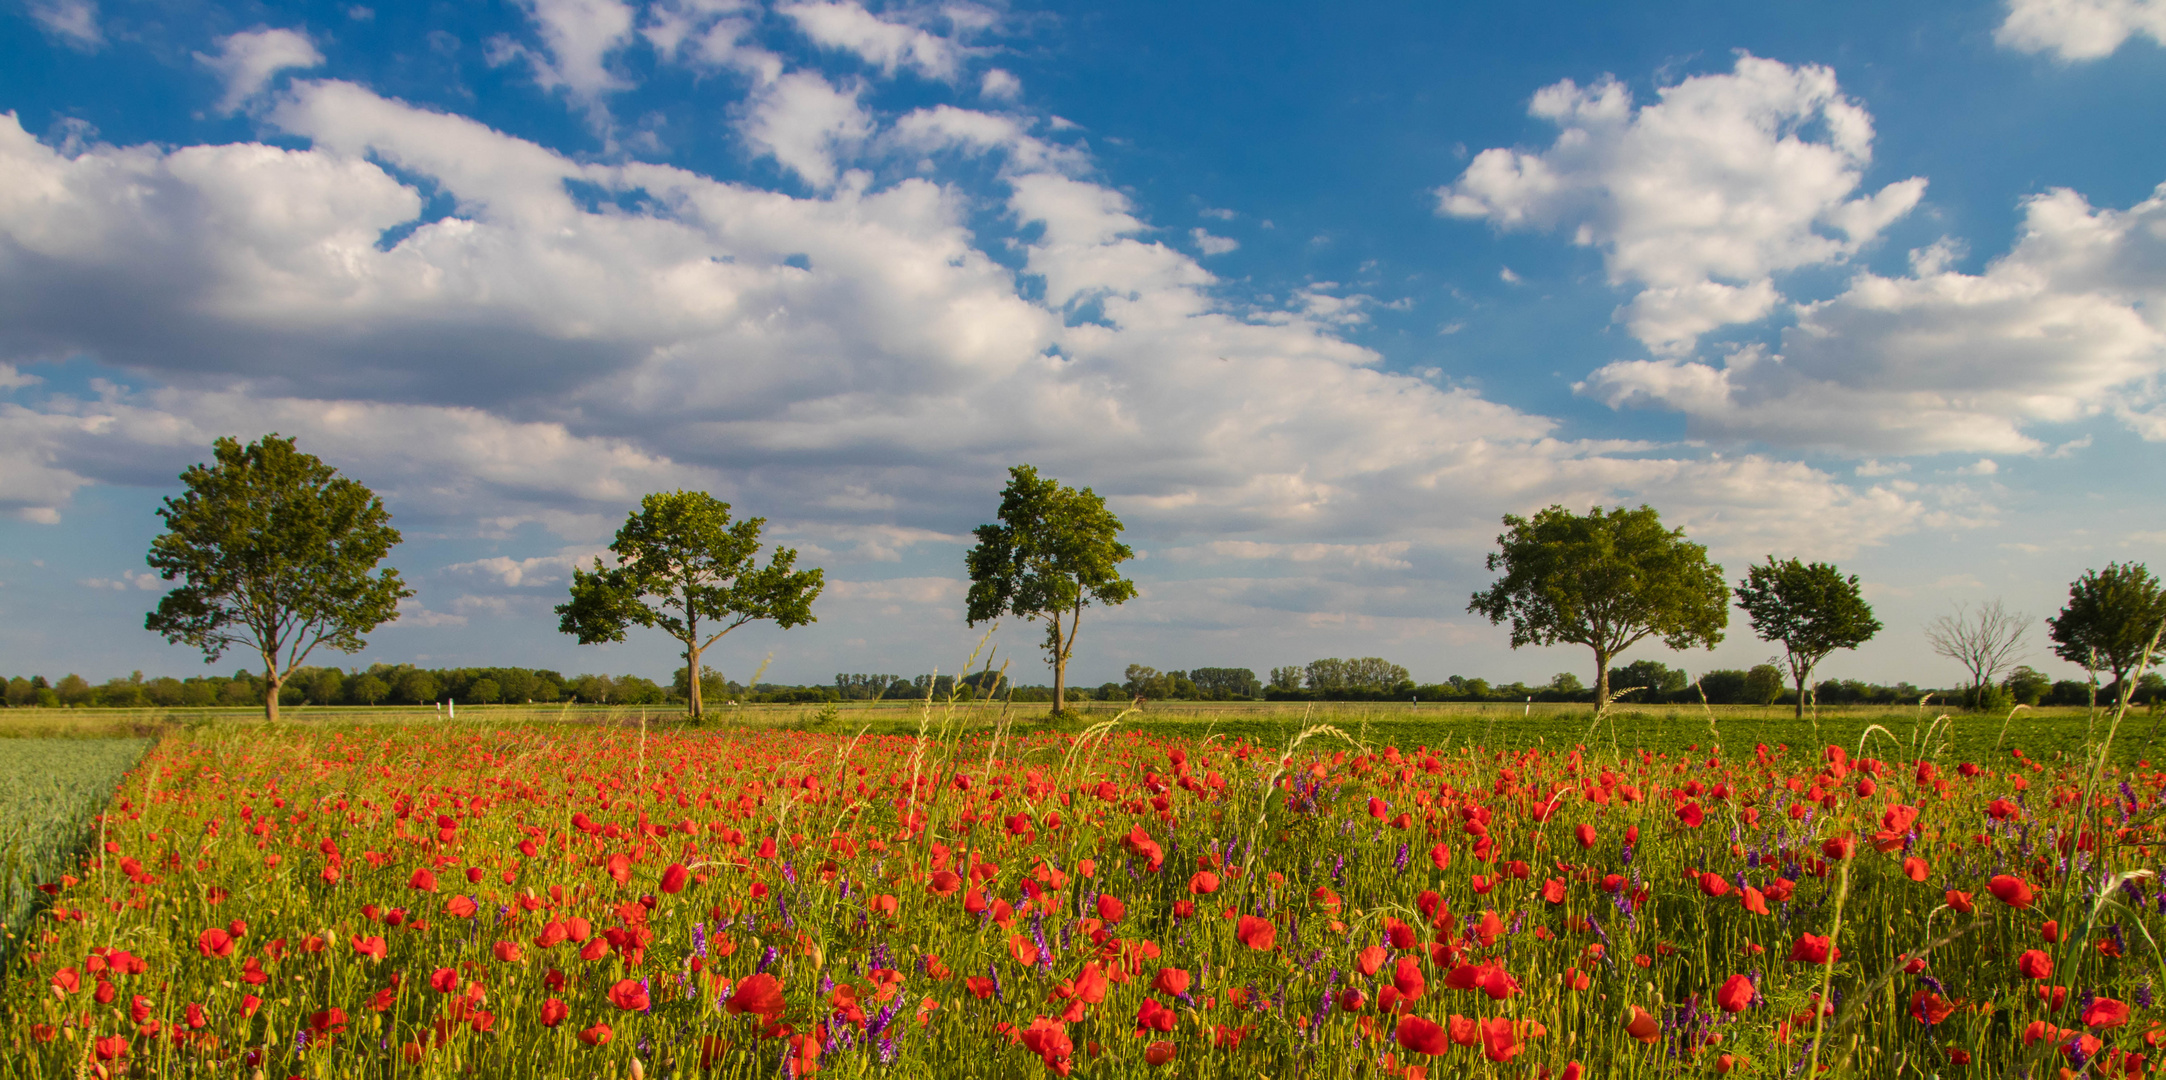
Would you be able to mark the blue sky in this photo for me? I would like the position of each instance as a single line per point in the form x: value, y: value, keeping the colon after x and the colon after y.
x: 1312, y: 294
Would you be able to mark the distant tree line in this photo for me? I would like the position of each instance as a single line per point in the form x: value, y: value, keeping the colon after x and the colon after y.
x: 1640, y: 683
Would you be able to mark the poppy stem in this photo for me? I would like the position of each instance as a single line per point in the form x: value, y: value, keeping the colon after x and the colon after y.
x: 1827, y: 974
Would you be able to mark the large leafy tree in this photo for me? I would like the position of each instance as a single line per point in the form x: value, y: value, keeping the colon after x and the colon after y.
x: 1607, y: 580
x: 683, y: 567
x: 276, y: 553
x: 2110, y: 619
x: 1054, y: 551
x: 1811, y: 608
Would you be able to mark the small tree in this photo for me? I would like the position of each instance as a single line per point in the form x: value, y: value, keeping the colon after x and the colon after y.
x: 1985, y: 642
x: 1811, y: 608
x: 1054, y: 551
x: 2110, y: 619
x: 1606, y: 580
x: 1763, y: 684
x: 367, y: 689
x: 681, y: 552
x: 277, y: 553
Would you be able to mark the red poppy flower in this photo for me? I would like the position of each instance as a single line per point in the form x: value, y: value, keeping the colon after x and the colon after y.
x: 1153, y: 1016
x: 2105, y: 1013
x: 598, y: 1035
x: 2035, y: 964
x: 2012, y: 891
x: 1422, y: 1036
x: 215, y: 943
x: 1814, y: 949
x: 1023, y: 950
x: 422, y: 880
x: 371, y: 947
x: 1371, y: 960
x: 1584, y: 833
x: 1159, y: 1053
x: 944, y: 883
x: 1641, y: 1025
x: 674, y: 878
x: 506, y: 951
x: 1406, y: 976
x: 1714, y: 884
x: 553, y: 1012
x: 1203, y: 883
x: 1691, y: 815
x: 444, y: 980
x: 1172, y: 981
x: 760, y: 995
x: 630, y: 995
x: 1734, y: 994
x: 1257, y: 934
x: 1500, y: 1042
x: 1110, y: 908
x: 1927, y: 1007
x: 461, y: 907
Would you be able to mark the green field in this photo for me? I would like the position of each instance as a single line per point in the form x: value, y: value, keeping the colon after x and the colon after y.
x: 2041, y: 732
x: 55, y: 788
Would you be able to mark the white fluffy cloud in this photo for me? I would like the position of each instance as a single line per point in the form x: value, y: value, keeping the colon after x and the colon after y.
x: 803, y: 121
x: 2080, y: 29
x: 852, y: 363
x: 2069, y: 324
x: 247, y: 61
x: 577, y: 38
x: 1698, y: 199
x: 886, y: 45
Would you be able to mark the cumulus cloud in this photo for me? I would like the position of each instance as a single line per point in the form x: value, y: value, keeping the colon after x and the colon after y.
x: 889, y: 46
x: 74, y: 22
x: 577, y: 38
x: 2069, y: 324
x: 803, y: 121
x: 247, y: 61
x: 1698, y: 199
x: 851, y: 363
x: 2080, y: 29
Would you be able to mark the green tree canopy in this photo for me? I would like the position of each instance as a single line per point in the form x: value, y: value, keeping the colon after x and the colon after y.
x: 2110, y: 619
x: 681, y: 563
x: 276, y: 553
x: 1054, y: 551
x: 1606, y: 580
x: 1811, y: 608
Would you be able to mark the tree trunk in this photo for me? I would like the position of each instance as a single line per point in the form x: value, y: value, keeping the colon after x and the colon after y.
x: 1801, y: 694
x: 272, y: 684
x: 1601, y: 680
x: 691, y: 678
x: 1060, y: 666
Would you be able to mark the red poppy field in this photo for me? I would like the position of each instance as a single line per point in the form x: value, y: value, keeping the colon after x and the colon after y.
x: 559, y: 901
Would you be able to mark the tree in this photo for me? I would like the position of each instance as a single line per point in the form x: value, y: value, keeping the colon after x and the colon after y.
x: 1286, y: 678
x: 2110, y: 619
x: 1606, y: 580
x: 1763, y: 684
x: 277, y: 553
x: 681, y: 552
x: 1984, y: 642
x: 1811, y: 608
x: 1054, y: 551
x: 1220, y: 683
x: 367, y: 689
x: 2026, y: 686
